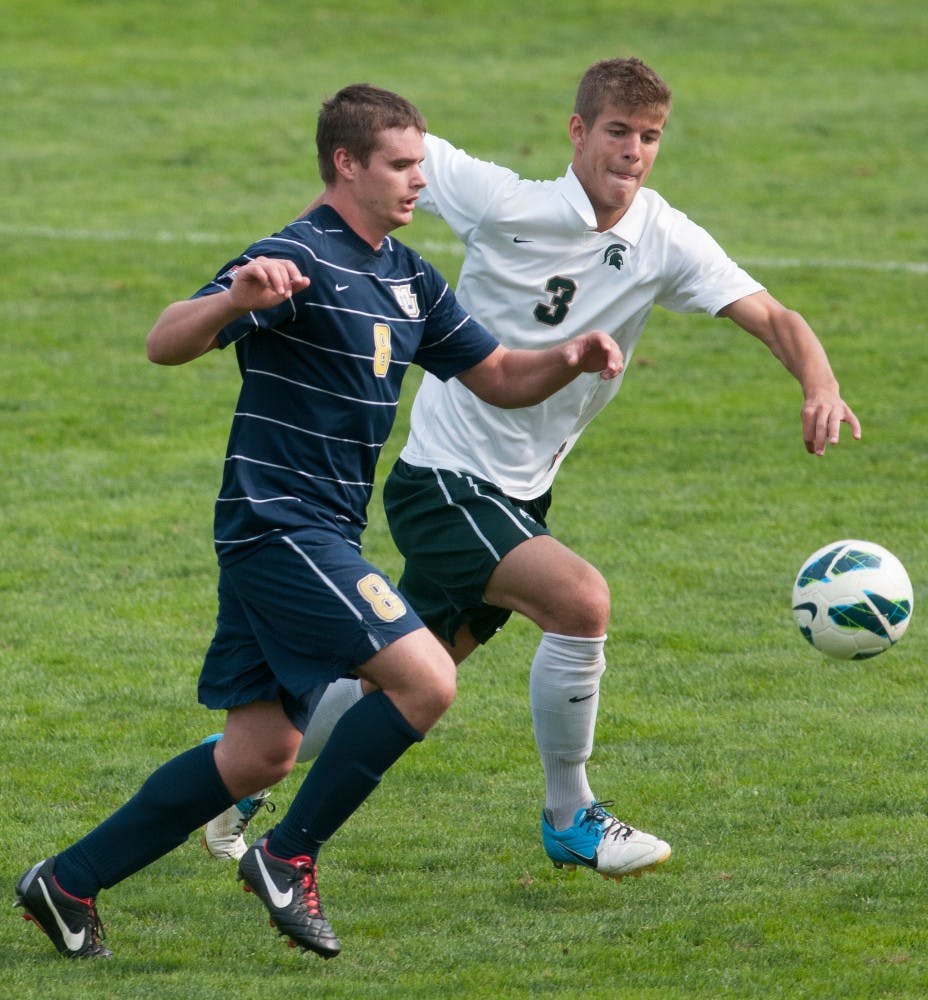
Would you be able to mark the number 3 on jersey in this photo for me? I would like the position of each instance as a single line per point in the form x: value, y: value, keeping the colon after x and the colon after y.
x: 382, y: 349
x: 562, y: 292
x: 383, y: 601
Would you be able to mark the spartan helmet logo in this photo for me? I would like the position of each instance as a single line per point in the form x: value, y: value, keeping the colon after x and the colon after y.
x: 613, y: 255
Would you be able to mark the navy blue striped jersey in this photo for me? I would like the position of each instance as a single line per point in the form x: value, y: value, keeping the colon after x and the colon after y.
x: 321, y: 376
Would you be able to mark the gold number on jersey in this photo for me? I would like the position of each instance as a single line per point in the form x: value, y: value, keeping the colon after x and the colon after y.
x: 382, y: 349
x: 383, y: 601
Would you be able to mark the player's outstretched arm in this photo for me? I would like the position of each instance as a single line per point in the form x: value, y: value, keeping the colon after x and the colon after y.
x: 189, y: 328
x: 793, y: 342
x: 511, y: 378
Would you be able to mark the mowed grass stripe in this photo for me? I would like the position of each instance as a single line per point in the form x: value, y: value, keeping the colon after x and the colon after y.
x: 428, y: 246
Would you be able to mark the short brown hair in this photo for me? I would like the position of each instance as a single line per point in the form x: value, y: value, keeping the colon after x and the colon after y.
x: 623, y: 83
x: 354, y: 118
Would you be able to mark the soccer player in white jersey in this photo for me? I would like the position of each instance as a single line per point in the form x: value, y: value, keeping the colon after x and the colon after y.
x: 325, y: 317
x: 467, y: 499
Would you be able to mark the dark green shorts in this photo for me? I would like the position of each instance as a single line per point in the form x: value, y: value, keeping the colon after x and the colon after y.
x: 453, y: 530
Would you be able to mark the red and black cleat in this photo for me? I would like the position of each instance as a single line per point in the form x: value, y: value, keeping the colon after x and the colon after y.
x: 289, y: 891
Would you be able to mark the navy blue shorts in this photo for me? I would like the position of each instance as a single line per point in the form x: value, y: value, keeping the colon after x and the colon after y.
x: 299, y: 612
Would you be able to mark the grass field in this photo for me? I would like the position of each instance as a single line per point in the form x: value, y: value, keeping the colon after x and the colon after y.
x: 143, y: 144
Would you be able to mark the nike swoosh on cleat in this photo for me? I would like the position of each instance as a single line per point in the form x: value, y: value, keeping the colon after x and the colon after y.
x: 579, y: 856
x: 586, y: 697
x: 73, y: 942
x: 278, y: 898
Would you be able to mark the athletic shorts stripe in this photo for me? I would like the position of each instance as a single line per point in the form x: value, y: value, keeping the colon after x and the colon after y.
x: 296, y: 613
x: 453, y: 531
x: 329, y: 583
x: 467, y: 517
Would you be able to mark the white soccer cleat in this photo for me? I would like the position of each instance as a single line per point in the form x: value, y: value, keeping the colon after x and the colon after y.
x: 224, y: 836
x: 599, y: 841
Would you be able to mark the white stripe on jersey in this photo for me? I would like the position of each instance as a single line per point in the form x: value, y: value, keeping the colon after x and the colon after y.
x: 326, y: 392
x: 297, y: 472
x: 303, y: 430
x: 428, y: 347
x: 264, y: 535
x: 334, y: 350
x: 337, y: 267
x: 240, y: 541
x: 395, y: 320
x: 247, y: 499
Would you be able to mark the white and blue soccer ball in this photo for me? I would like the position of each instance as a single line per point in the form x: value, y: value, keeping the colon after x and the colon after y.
x: 852, y: 599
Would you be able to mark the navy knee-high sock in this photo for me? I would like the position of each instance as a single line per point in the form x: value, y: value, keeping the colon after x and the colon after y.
x: 369, y: 737
x: 180, y: 796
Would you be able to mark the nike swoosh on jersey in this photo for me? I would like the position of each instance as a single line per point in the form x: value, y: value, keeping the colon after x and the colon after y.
x: 340, y: 288
x: 73, y: 942
x: 278, y: 898
x: 519, y: 239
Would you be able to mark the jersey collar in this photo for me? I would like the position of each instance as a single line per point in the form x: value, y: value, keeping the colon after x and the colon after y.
x: 329, y: 220
x: 628, y: 228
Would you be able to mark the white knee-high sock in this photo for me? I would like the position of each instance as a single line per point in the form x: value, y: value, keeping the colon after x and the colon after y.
x: 339, y: 696
x: 564, y: 694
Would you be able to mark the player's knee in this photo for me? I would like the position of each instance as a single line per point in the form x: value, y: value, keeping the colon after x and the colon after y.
x: 441, y: 688
x: 276, y: 769
x: 447, y: 689
x: 267, y: 768
x: 600, y: 605
x: 588, y: 613
x: 258, y: 764
x: 433, y: 691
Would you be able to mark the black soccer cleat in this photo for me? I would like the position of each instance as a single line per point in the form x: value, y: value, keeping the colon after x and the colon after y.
x: 72, y: 924
x: 288, y: 889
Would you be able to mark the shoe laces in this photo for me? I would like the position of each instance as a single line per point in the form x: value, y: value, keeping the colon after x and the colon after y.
x: 252, y: 807
x: 305, y: 878
x: 97, y: 930
x: 608, y: 824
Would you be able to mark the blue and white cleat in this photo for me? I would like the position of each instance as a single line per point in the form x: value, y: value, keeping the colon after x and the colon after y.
x: 224, y: 836
x: 599, y: 841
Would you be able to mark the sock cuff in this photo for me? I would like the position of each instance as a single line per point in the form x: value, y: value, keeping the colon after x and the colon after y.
x: 218, y: 792
x: 395, y: 716
x: 571, y: 653
x: 574, y: 640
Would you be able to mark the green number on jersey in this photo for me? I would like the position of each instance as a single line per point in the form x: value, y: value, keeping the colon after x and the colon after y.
x: 562, y: 292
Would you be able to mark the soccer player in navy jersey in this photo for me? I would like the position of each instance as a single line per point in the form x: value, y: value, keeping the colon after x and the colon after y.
x: 597, y: 248
x: 326, y: 317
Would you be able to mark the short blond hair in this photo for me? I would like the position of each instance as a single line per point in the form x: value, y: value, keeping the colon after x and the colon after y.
x: 622, y: 83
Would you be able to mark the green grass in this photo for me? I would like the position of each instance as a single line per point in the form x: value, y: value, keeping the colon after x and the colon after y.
x: 157, y: 139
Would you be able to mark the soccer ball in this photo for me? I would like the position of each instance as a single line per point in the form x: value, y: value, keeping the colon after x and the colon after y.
x: 852, y: 600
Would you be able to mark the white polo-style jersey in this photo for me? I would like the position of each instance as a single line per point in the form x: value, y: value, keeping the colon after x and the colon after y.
x: 536, y: 273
